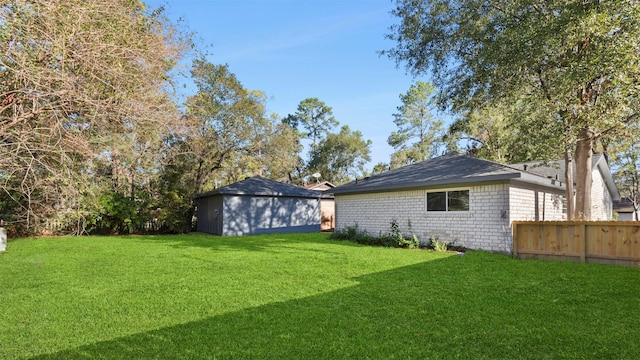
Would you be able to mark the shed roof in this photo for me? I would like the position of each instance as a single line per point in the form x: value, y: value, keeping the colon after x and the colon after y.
x: 259, y: 186
x: 450, y: 169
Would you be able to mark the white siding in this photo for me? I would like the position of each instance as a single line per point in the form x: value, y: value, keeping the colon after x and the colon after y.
x: 601, y: 202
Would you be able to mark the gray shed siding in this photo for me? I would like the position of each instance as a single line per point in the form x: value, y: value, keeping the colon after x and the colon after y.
x: 245, y: 215
x: 210, y: 214
x: 248, y: 215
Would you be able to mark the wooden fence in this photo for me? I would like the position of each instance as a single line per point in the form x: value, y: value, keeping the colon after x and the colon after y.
x: 608, y: 242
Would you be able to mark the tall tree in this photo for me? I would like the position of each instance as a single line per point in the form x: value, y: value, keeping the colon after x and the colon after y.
x: 342, y: 156
x: 74, y: 75
x: 507, y: 133
x: 281, y: 153
x: 224, y: 121
x: 274, y: 155
x: 419, y: 135
x: 315, y: 117
x: 577, y: 60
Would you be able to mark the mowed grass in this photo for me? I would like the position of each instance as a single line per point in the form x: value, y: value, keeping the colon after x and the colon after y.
x: 302, y: 296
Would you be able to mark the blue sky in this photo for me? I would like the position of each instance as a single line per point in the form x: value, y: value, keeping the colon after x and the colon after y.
x: 296, y: 49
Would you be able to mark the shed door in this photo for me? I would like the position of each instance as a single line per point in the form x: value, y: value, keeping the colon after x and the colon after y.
x: 216, y: 220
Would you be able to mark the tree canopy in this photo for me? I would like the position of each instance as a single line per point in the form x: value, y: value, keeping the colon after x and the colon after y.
x: 80, y: 82
x: 340, y: 157
x: 315, y: 117
x: 419, y: 135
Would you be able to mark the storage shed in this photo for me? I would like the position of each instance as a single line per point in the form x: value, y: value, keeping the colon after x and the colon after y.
x: 257, y: 206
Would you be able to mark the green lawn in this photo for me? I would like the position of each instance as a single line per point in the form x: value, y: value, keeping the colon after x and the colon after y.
x: 304, y: 297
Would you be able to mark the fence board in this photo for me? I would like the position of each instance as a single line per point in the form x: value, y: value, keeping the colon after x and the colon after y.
x: 610, y: 242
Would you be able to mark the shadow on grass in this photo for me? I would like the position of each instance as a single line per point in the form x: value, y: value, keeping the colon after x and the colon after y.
x: 477, y: 306
x: 243, y: 243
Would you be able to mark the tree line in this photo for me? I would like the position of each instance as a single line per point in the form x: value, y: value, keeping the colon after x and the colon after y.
x: 93, y: 138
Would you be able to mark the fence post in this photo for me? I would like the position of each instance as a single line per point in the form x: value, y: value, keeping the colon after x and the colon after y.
x: 514, y: 239
x: 3, y: 239
x: 582, y: 232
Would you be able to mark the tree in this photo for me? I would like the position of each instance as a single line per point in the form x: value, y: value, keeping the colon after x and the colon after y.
x: 507, y: 133
x: 223, y: 119
x: 419, y: 135
x: 577, y: 61
x: 379, y: 168
x: 341, y: 156
x: 75, y: 75
x: 315, y: 117
x: 281, y: 153
x: 274, y: 155
x: 626, y: 164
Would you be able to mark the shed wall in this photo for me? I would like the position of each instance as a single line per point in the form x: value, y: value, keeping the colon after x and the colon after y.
x: 245, y: 215
x: 210, y: 214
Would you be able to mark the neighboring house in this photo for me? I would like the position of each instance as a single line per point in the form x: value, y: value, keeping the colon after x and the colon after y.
x: 625, y: 210
x: 457, y: 198
x: 319, y: 186
x: 603, y: 187
x: 256, y: 206
x: 327, y: 205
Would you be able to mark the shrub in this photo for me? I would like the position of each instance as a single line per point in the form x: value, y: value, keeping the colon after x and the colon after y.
x: 437, y: 245
x: 393, y: 238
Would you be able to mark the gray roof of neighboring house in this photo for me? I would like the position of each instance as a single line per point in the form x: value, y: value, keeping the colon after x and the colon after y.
x: 450, y: 169
x: 321, y: 186
x: 555, y: 169
x: 623, y: 206
x: 259, y: 186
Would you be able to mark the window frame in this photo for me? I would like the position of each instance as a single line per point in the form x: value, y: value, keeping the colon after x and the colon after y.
x: 446, y: 201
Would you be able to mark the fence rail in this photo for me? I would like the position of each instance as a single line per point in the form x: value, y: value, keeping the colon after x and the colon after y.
x: 608, y: 242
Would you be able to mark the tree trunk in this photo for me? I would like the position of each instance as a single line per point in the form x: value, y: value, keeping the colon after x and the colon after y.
x: 568, y: 175
x: 584, y: 157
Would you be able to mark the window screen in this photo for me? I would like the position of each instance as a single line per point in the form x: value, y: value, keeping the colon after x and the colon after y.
x: 437, y: 201
x: 448, y: 201
x: 458, y: 200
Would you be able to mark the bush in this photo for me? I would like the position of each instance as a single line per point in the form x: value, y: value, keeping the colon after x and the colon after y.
x: 394, y: 238
x: 437, y: 245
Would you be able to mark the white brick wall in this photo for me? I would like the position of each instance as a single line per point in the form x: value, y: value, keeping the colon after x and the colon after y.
x: 523, y: 204
x: 485, y: 226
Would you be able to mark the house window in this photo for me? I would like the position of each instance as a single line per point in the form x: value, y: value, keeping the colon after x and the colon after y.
x: 448, y: 200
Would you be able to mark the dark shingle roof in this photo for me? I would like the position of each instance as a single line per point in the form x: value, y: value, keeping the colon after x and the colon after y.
x: 450, y: 169
x: 259, y: 186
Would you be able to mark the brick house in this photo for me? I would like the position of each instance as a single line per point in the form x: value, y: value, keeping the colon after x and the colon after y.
x: 464, y: 200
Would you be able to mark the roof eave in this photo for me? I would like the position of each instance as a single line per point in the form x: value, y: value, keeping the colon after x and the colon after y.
x: 608, y: 178
x: 354, y: 189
